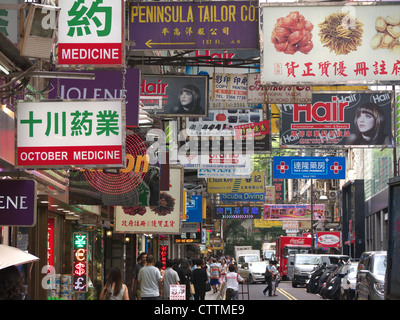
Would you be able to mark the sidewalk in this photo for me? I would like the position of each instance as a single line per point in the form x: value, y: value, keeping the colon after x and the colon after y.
x: 212, y: 296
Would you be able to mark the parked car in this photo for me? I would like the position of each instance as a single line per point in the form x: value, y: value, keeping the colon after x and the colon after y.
x: 253, y: 271
x: 348, y: 273
x: 370, y: 283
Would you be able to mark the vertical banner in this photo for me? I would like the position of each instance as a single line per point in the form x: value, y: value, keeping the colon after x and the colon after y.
x: 80, y: 261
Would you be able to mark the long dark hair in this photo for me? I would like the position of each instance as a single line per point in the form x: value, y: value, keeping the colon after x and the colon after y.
x: 195, y: 92
x: 11, y: 286
x: 377, y: 113
x: 115, y: 276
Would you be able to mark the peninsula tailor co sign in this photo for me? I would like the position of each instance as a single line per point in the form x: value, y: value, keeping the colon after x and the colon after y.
x: 194, y: 25
x: 54, y: 134
x: 309, y: 168
x: 357, y: 118
x: 325, y: 43
x: 91, y: 32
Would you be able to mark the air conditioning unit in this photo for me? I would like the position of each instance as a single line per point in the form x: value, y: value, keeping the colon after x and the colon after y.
x: 319, y: 185
x: 39, y: 30
x: 332, y: 194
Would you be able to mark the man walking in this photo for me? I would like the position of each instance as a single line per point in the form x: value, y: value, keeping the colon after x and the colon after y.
x: 149, y: 280
x: 170, y: 277
x: 231, y: 280
x: 268, y: 279
x: 215, y: 274
x: 140, y: 263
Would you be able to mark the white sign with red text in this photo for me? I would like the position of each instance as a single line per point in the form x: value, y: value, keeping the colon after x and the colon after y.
x: 329, y: 239
x: 91, y: 32
x: 54, y: 134
x: 330, y: 43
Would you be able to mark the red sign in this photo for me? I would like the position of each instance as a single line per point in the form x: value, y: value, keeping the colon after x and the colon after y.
x: 50, y: 242
x: 253, y: 129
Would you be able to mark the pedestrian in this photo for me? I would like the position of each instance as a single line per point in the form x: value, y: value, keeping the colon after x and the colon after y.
x: 177, y: 267
x: 114, y: 288
x: 140, y: 263
x: 268, y: 279
x: 187, y: 271
x: 215, y: 274
x: 231, y: 280
x: 200, y: 279
x: 149, y: 279
x: 275, y: 276
x: 170, y: 277
x: 11, y: 285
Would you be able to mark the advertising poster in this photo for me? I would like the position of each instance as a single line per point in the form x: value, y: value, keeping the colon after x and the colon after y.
x: 293, y: 212
x: 329, y: 239
x: 161, y: 219
x: 327, y: 43
x: 107, y: 85
x: 174, y: 95
x: 194, y: 25
x: 136, y: 185
x: 57, y: 134
x: 238, y: 212
x: 357, y: 118
x: 230, y: 87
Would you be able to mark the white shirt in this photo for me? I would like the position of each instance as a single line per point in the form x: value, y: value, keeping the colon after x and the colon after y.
x: 232, y: 280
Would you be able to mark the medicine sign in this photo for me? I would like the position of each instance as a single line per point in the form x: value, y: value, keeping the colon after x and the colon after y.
x: 54, y: 134
x: 91, y: 32
x: 309, y: 168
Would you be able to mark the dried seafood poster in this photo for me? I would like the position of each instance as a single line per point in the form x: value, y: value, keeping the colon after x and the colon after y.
x: 330, y: 43
x: 164, y: 219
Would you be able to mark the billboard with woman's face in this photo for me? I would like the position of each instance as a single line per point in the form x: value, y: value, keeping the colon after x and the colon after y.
x: 174, y: 95
x: 356, y: 118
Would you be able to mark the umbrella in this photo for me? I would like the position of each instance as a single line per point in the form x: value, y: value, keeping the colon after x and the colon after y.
x: 11, y: 256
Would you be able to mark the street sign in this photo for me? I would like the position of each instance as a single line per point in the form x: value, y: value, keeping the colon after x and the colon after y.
x: 309, y: 168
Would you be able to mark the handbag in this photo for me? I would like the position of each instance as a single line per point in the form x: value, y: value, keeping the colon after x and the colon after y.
x: 107, y: 294
x: 192, y: 291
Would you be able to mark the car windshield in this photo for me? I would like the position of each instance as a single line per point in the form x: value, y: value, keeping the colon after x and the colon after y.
x: 268, y: 254
x: 251, y: 258
x: 380, y: 265
x: 307, y: 260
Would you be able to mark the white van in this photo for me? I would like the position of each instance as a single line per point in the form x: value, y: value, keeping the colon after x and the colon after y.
x: 304, y: 264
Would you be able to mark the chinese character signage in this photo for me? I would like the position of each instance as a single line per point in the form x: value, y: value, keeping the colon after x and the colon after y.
x: 238, y: 212
x: 161, y: 219
x: 107, y: 85
x: 288, y: 94
x: 136, y: 185
x: 54, y: 134
x: 293, y: 212
x: 174, y: 95
x: 230, y: 87
x: 309, y: 168
x: 192, y: 25
x: 328, y: 43
x: 355, y: 118
x: 80, y: 261
x: 91, y: 32
x: 194, y: 208
x: 254, y: 184
x: 18, y: 203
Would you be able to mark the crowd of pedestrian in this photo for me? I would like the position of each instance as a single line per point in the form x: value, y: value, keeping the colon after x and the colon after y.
x: 152, y: 280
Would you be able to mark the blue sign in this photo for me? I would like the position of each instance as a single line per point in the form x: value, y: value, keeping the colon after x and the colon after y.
x: 194, y: 209
x: 309, y: 168
x: 232, y: 197
x: 239, y: 212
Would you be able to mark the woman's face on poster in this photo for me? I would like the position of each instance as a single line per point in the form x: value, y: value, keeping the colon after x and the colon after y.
x: 186, y: 97
x: 365, y: 122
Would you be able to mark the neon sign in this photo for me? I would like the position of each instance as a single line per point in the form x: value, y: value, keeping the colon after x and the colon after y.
x: 79, y: 272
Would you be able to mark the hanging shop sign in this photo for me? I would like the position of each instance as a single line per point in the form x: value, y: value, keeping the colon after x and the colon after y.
x: 188, y: 238
x: 254, y: 184
x: 327, y: 43
x: 288, y: 94
x: 329, y: 239
x: 293, y: 212
x: 194, y: 208
x: 225, y: 173
x: 238, y: 212
x: 18, y: 203
x: 246, y: 197
x: 80, y: 261
x: 337, y: 119
x: 309, y: 168
x: 192, y: 25
x: 56, y: 134
x: 231, y: 87
x: 91, y: 32
x: 261, y: 223
x: 164, y: 218
x: 108, y: 84
x: 174, y: 95
x: 137, y: 185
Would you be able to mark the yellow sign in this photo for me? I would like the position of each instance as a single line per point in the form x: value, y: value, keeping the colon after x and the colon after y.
x: 254, y: 184
x: 260, y: 223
